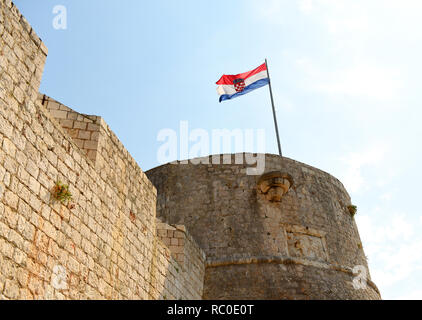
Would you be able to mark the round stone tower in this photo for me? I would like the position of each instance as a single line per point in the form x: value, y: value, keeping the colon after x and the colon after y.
x: 288, y: 233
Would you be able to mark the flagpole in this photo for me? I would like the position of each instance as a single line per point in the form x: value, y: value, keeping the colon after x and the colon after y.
x: 274, y: 115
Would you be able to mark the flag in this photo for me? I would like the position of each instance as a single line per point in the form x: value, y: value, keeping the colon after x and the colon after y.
x: 232, y: 86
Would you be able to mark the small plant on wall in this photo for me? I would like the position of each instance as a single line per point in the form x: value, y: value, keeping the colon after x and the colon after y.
x: 352, y: 209
x: 61, y: 193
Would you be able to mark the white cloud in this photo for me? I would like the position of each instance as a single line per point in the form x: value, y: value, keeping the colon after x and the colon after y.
x: 306, y: 6
x: 354, y: 162
x: 271, y: 12
x: 397, y: 263
x: 396, y: 228
x: 362, y: 79
x: 340, y: 15
x: 393, y: 247
x: 348, y: 30
x: 360, y: 19
x: 387, y: 196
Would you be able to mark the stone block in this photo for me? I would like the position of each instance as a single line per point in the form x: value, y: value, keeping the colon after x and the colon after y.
x: 80, y: 125
x: 11, y: 289
x: 66, y: 123
x: 90, y: 145
x: 58, y: 114
x: 84, y: 135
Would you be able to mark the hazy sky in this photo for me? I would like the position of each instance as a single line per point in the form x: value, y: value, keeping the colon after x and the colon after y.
x: 347, y: 86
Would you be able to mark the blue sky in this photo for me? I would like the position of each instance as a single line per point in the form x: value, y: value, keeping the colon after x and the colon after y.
x: 346, y: 81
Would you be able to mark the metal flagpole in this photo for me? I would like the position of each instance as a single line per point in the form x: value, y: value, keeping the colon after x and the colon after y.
x: 272, y: 103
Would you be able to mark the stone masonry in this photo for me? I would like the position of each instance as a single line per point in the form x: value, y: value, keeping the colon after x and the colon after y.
x: 287, y: 234
x: 83, y: 129
x: 104, y: 245
x: 179, y: 231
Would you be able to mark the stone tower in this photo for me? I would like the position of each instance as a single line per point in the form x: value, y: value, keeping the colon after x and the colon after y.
x: 287, y: 234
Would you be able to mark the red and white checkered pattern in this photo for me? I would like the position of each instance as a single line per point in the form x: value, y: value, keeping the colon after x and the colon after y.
x: 239, y: 86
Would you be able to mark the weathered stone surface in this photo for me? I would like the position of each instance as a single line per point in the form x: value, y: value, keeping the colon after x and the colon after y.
x: 103, y: 243
x: 251, y: 240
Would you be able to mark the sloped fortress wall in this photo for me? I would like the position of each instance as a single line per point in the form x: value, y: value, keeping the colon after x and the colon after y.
x: 83, y: 129
x: 104, y: 243
x: 287, y: 234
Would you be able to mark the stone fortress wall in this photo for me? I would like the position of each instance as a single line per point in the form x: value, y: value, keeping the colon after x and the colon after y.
x: 275, y: 236
x: 109, y: 245
x: 219, y: 233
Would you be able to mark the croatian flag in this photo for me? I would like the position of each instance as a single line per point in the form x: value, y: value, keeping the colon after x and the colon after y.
x: 232, y: 86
